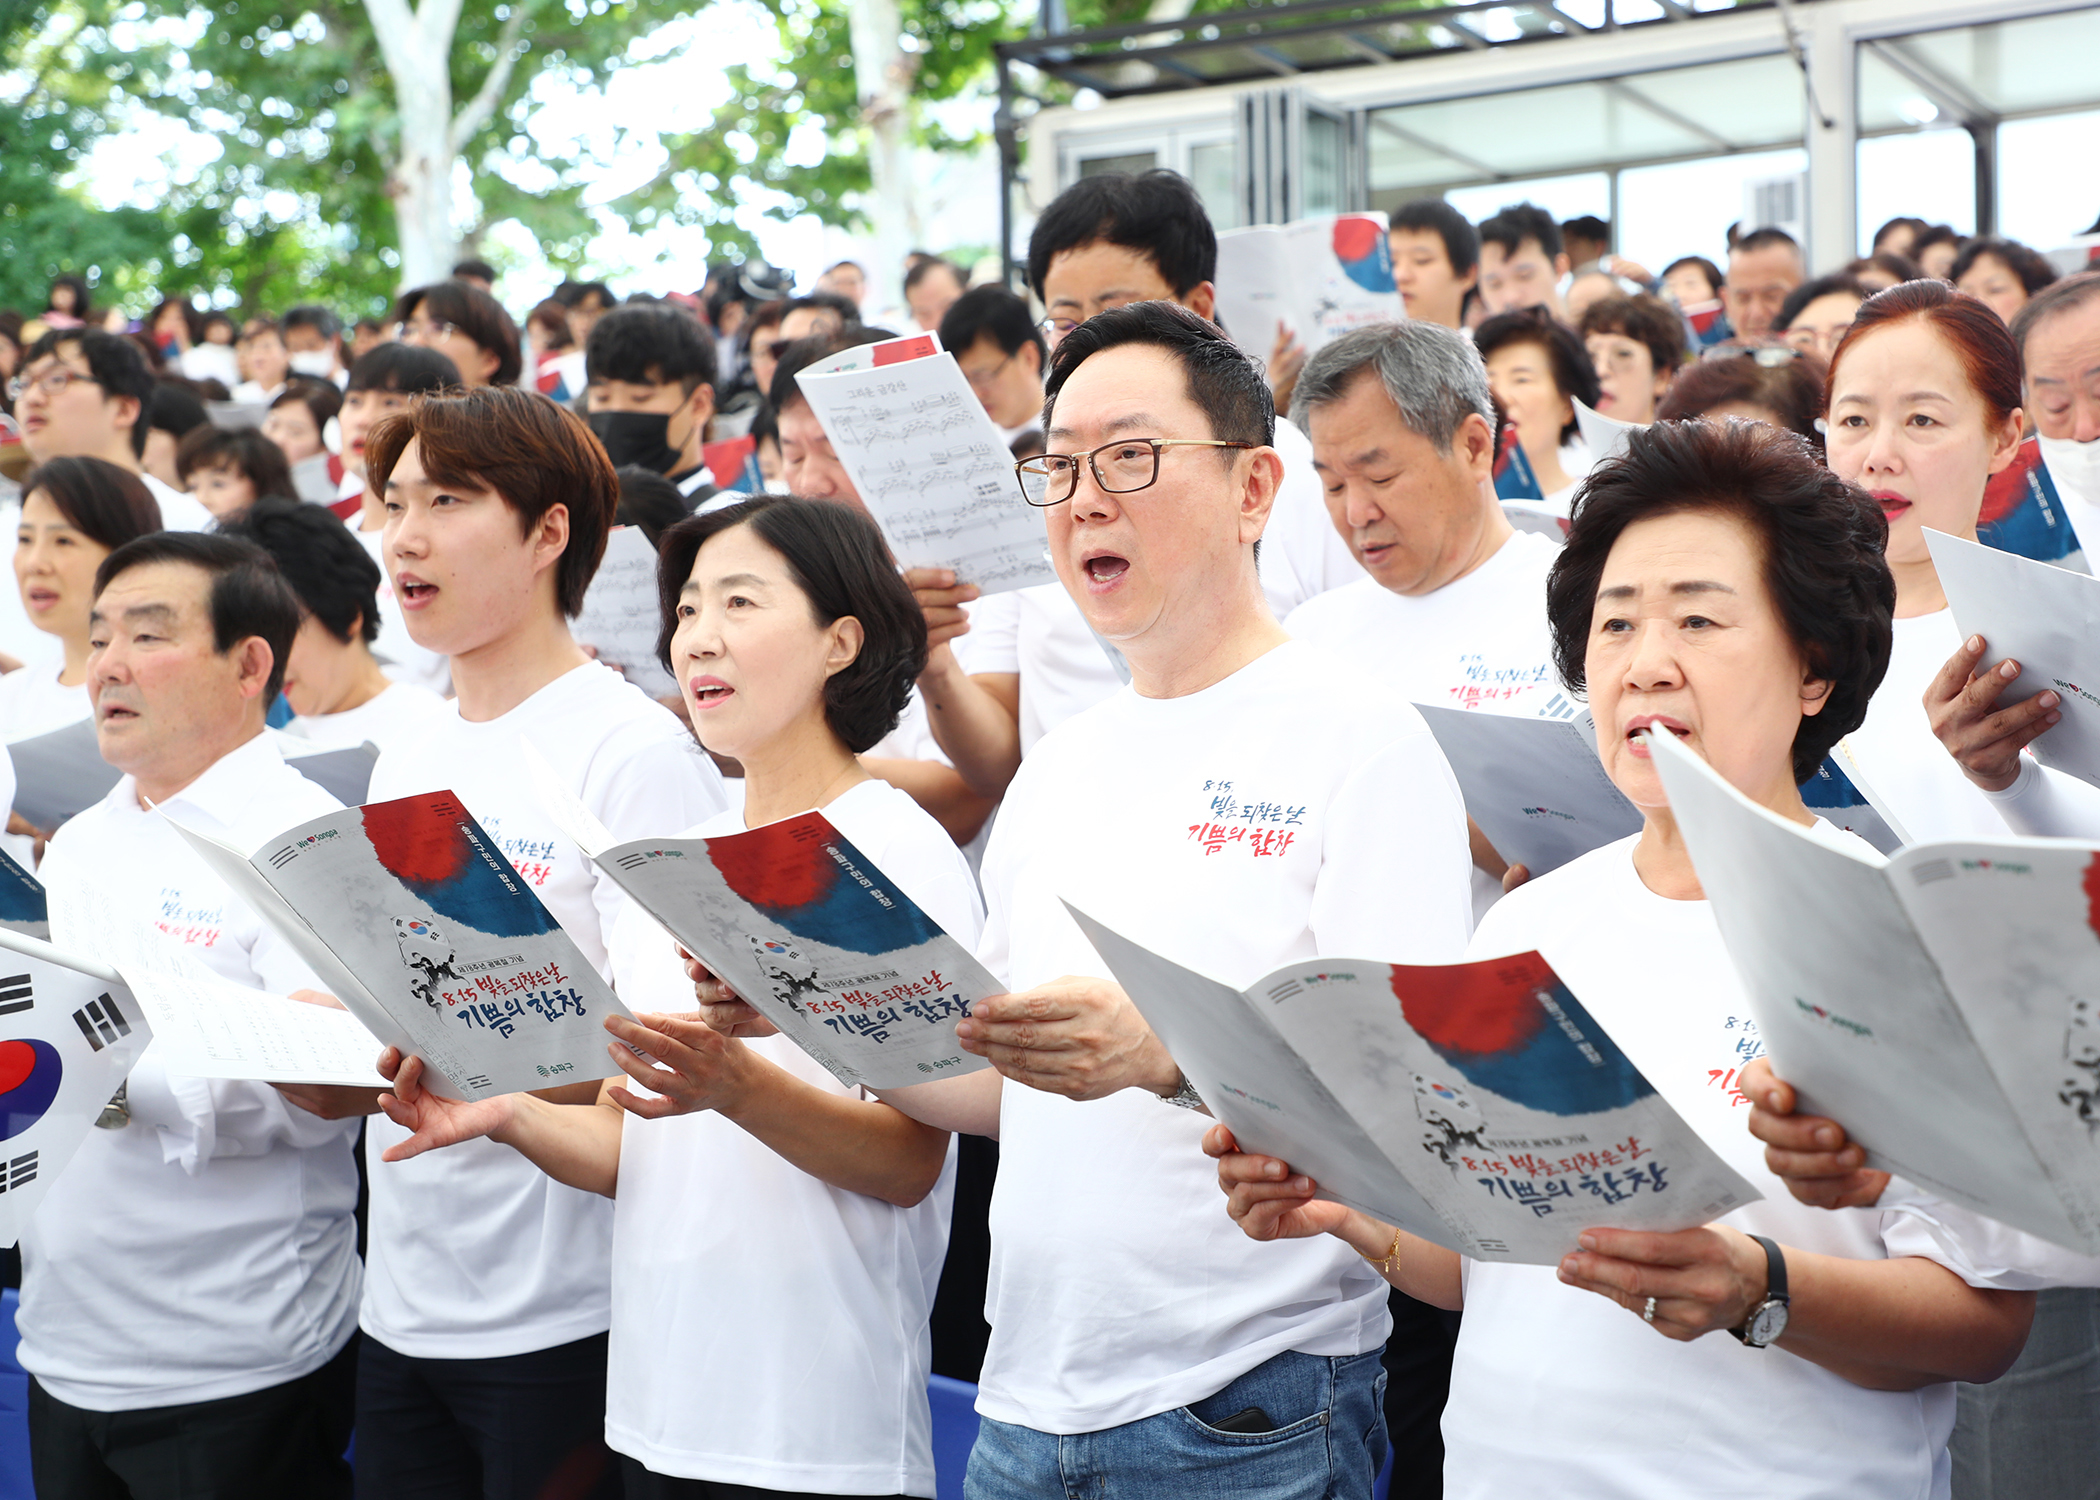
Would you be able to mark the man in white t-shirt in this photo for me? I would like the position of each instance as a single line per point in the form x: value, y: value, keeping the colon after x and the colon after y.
x: 1454, y: 610
x: 487, y: 1296
x: 190, y: 1283
x: 88, y: 394
x: 1245, y: 801
x: 1105, y: 242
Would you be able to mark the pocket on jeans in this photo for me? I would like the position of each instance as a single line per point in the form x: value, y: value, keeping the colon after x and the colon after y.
x: 1317, y: 1422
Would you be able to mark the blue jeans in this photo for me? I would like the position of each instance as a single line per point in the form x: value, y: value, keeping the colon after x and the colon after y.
x: 1327, y: 1443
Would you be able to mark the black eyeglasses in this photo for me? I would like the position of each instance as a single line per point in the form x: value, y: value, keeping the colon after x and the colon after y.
x: 1126, y: 465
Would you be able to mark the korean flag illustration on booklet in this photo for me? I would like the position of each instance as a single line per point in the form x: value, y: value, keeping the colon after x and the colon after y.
x: 412, y: 915
x: 805, y: 928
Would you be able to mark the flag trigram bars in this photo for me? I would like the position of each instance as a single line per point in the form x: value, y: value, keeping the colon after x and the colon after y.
x: 101, y: 1022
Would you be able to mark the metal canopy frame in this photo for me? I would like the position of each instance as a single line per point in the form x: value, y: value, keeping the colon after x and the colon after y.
x: 1101, y: 58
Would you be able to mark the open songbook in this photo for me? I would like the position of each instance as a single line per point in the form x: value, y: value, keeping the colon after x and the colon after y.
x: 1477, y: 1105
x: 1943, y: 1005
x: 69, y: 1034
x: 410, y: 913
x: 928, y: 463
x: 809, y: 932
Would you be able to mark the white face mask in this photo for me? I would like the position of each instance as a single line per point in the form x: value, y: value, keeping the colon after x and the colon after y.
x: 2075, y: 467
x: 318, y: 363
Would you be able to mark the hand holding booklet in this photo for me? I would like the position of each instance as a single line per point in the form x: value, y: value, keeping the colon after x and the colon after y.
x: 806, y: 930
x: 1942, y: 1005
x: 1476, y: 1105
x: 410, y: 913
x: 2046, y: 618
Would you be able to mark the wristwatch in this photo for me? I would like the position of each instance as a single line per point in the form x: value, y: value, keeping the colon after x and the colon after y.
x: 1184, y: 1097
x: 1767, y: 1320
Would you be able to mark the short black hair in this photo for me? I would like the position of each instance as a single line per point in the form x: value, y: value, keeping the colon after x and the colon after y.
x: 1461, y: 239
x: 1586, y: 226
x: 650, y: 501
x: 1714, y: 279
x: 2025, y: 262
x: 803, y: 353
x: 407, y: 369
x: 177, y: 410
x: 1764, y: 239
x: 1570, y: 358
x: 921, y: 269
x: 838, y: 558
x: 1514, y: 223
x: 1902, y: 267
x: 650, y: 345
x: 2059, y: 296
x: 116, y: 364
x: 83, y: 302
x: 474, y: 313
x: 834, y: 302
x: 1155, y: 213
x: 258, y: 459
x: 101, y: 501
x: 1901, y: 221
x: 477, y: 268
x: 1222, y: 381
x: 249, y: 597
x: 569, y: 293
x: 1838, y: 282
x: 323, y: 402
x: 313, y: 315
x: 1937, y: 234
x: 998, y: 312
x: 335, y: 579
x: 1822, y: 542
x: 1644, y: 319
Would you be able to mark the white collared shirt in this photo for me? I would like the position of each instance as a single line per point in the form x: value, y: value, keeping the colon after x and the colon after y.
x: 208, y: 1248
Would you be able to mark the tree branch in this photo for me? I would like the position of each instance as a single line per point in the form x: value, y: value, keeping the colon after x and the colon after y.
x: 476, y: 111
x: 394, y: 25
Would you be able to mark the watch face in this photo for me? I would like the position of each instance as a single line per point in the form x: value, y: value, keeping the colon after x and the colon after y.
x: 1768, y: 1323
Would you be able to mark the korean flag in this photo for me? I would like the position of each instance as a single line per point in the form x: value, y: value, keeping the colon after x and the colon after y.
x: 69, y: 1034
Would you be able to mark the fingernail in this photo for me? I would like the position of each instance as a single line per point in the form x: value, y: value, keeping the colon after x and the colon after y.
x: 1826, y: 1136
x: 1272, y: 1169
x: 2008, y: 670
x: 2050, y: 700
x: 1301, y: 1184
x: 1975, y: 643
x: 1587, y: 1241
x: 966, y: 1028
x: 2053, y: 718
x: 1567, y: 1269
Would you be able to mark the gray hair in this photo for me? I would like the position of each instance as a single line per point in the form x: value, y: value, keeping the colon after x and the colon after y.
x: 2059, y: 297
x: 1434, y: 376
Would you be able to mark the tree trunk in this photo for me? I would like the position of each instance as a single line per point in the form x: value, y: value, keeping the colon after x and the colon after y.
x: 421, y: 181
x: 882, y: 73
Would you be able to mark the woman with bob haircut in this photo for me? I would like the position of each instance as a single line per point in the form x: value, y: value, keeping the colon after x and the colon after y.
x: 228, y: 469
x: 1637, y: 346
x: 467, y: 326
x: 1924, y: 400
x: 1538, y: 369
x: 75, y: 512
x: 795, y: 645
x: 1720, y: 585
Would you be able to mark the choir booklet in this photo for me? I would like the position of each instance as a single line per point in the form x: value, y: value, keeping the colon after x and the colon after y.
x: 1534, y: 785
x: 69, y: 1035
x: 1477, y: 1105
x: 805, y: 928
x: 928, y: 463
x: 1322, y: 277
x: 622, y: 612
x: 2047, y: 618
x: 412, y: 916
x: 203, y: 1024
x: 1943, y: 1005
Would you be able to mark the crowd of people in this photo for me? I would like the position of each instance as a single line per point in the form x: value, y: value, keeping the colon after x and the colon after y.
x: 722, y: 1273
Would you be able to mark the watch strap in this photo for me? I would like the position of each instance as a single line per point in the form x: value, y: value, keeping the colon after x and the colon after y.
x: 1775, y: 1290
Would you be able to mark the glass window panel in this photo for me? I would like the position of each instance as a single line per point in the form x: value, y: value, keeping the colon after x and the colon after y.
x: 1927, y: 174
x: 1210, y: 173
x: 1323, y: 164
x: 1129, y: 161
x: 1752, y: 102
x: 2048, y: 178
x: 1685, y: 207
x: 2045, y: 62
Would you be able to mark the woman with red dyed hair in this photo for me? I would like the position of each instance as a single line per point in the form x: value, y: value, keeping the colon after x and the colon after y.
x: 1923, y: 407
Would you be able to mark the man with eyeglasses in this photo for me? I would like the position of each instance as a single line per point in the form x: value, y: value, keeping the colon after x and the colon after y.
x: 83, y: 393
x: 1106, y: 242
x: 1244, y: 801
x: 1002, y: 354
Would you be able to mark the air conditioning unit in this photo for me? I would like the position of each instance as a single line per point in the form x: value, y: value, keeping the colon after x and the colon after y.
x: 1777, y: 203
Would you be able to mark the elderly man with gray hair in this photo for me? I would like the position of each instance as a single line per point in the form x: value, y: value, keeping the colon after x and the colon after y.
x: 1454, y: 612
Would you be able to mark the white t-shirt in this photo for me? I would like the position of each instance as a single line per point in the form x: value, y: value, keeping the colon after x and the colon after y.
x: 809, y: 1372
x: 1479, y: 642
x: 1903, y: 763
x: 1558, y: 1391
x: 2046, y: 803
x: 475, y: 1253
x: 208, y: 1248
x: 399, y: 714
x: 1289, y: 811
x: 399, y: 655
x: 1040, y: 633
x: 178, y: 511
x: 7, y: 785
x: 33, y: 701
